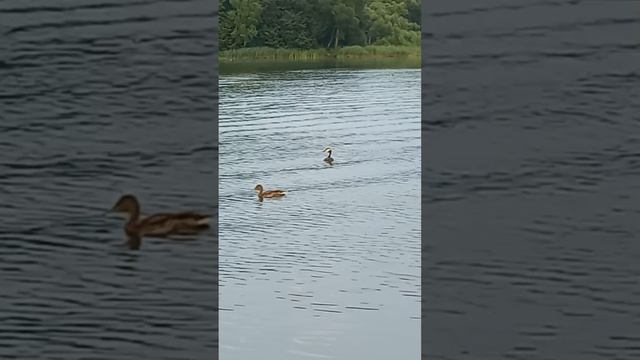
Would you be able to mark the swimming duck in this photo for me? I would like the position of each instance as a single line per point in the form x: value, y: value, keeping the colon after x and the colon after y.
x: 158, y: 225
x: 328, y: 159
x: 269, y: 193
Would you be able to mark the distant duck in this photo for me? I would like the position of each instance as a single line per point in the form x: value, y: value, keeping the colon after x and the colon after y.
x: 328, y: 159
x: 158, y: 225
x: 269, y: 193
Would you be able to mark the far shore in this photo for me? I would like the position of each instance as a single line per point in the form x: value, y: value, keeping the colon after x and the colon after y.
x: 371, y: 52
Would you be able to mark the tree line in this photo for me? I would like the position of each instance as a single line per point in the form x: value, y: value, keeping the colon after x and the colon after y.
x: 309, y: 24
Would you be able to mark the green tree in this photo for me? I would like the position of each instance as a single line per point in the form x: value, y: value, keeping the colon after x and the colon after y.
x: 389, y: 25
x: 238, y: 24
x: 305, y: 24
x: 286, y: 24
x: 414, y: 11
x: 344, y: 21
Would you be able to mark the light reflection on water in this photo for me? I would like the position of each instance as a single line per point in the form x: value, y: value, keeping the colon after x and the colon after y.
x: 336, y: 262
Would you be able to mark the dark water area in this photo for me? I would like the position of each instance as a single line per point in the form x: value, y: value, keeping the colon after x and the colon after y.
x: 99, y: 98
x: 531, y: 139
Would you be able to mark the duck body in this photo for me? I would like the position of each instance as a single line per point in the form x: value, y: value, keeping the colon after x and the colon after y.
x: 158, y: 225
x: 165, y: 225
x: 328, y: 159
x: 268, y: 193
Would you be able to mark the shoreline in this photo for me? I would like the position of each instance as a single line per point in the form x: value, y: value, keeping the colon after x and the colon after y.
x: 371, y: 52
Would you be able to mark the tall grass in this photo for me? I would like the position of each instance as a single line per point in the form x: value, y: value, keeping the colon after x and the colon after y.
x: 379, y: 51
x: 372, y: 51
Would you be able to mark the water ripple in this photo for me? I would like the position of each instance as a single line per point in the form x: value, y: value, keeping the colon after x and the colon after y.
x: 91, y: 110
x: 341, y: 249
x: 531, y: 165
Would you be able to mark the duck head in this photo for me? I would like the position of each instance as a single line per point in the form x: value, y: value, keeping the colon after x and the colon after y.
x: 127, y: 204
x: 259, y: 188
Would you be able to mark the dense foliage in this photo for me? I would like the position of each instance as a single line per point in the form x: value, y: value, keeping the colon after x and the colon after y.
x: 307, y: 24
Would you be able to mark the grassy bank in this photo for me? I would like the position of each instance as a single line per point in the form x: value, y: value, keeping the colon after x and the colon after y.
x: 348, y: 52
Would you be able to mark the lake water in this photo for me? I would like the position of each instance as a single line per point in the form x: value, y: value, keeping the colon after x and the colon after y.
x: 100, y: 98
x: 332, y: 270
x: 532, y: 171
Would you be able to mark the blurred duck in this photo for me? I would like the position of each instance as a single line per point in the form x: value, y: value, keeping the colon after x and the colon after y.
x: 269, y: 193
x: 328, y: 159
x: 158, y: 225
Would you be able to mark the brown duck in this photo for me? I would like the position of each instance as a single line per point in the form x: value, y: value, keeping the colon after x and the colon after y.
x: 269, y: 193
x: 158, y: 225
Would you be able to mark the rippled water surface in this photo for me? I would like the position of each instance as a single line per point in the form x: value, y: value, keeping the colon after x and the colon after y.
x: 98, y: 98
x: 331, y: 271
x: 532, y: 172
